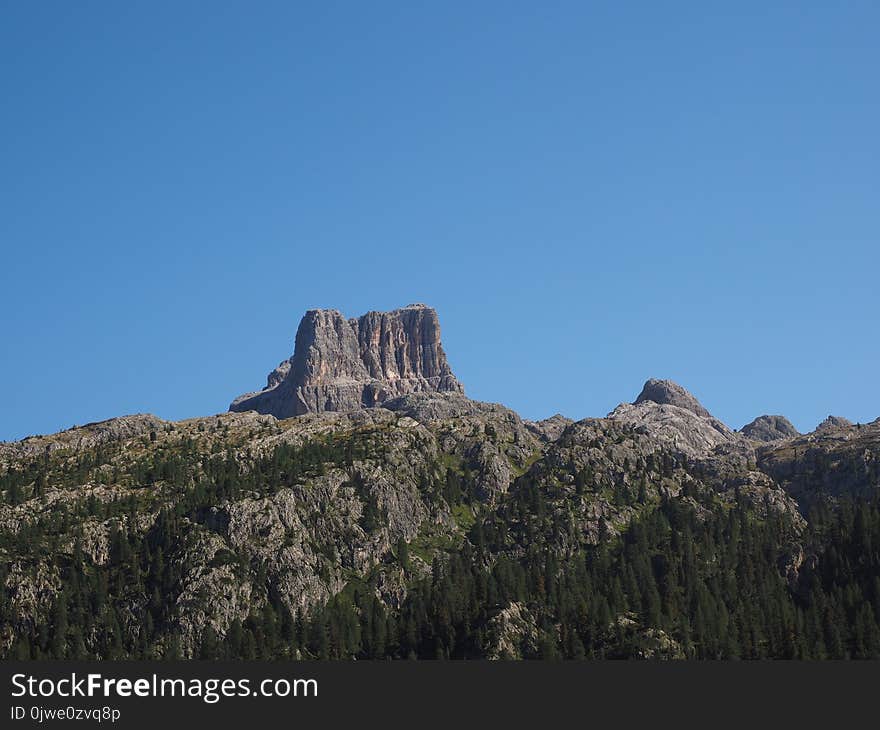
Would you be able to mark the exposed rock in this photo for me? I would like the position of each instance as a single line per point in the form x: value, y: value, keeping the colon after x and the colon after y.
x: 89, y: 435
x: 665, y: 392
x: 833, y: 423
x: 769, y: 428
x: 428, y: 407
x: 436, y: 406
x: 764, y: 496
x: 606, y: 468
x: 344, y: 364
x: 549, y: 429
x: 680, y: 428
x: 513, y: 633
x: 672, y: 415
x: 653, y: 643
x: 827, y: 464
x: 278, y: 374
x: 212, y: 593
x: 798, y: 566
x: 491, y: 437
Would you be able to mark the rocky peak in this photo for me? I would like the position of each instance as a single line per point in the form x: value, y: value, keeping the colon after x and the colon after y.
x: 326, y: 350
x: 672, y: 415
x: 666, y: 392
x: 402, y: 344
x: 834, y: 422
x: 770, y: 428
x: 343, y: 364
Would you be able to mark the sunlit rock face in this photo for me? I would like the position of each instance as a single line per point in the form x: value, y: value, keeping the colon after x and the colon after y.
x: 343, y: 364
x: 770, y: 428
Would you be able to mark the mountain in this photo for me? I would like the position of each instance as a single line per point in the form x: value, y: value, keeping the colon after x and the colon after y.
x: 833, y: 423
x: 770, y: 428
x: 665, y: 392
x: 396, y: 518
x: 839, y: 460
x: 670, y: 414
x: 341, y: 364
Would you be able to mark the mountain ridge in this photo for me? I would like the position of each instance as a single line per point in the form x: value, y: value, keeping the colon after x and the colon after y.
x: 426, y: 524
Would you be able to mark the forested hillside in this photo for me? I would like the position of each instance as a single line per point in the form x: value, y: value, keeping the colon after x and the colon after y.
x: 438, y: 528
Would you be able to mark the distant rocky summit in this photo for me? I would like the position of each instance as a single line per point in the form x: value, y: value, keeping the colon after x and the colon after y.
x: 832, y: 423
x: 665, y: 392
x: 770, y: 428
x: 341, y: 364
x: 669, y: 413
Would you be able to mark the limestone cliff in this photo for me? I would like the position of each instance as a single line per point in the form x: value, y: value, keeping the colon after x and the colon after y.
x: 343, y: 364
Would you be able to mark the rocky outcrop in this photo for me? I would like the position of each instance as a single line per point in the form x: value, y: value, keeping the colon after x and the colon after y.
x: 88, y: 436
x: 769, y: 428
x: 343, y: 364
x: 673, y: 416
x: 830, y: 463
x: 832, y: 423
x: 665, y: 392
x: 489, y: 436
x: 513, y: 633
x: 549, y: 429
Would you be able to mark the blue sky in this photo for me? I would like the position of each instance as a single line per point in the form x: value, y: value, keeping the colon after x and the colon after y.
x: 590, y: 194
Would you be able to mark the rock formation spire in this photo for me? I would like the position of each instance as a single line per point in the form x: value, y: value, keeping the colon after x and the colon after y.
x: 343, y: 364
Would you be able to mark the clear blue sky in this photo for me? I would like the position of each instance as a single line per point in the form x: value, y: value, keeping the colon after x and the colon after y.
x: 590, y: 194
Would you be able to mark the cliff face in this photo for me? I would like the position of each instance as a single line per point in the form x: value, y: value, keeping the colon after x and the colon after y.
x: 343, y: 364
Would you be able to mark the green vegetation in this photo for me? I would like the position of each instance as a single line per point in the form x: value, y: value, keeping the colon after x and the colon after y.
x: 707, y: 585
x: 684, y: 573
